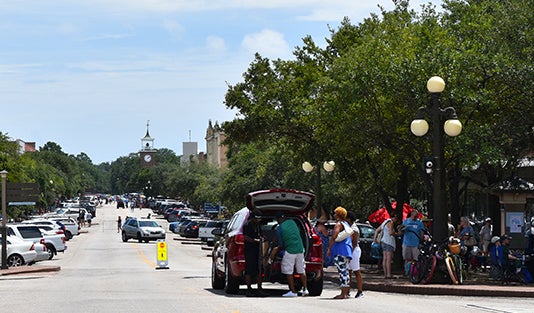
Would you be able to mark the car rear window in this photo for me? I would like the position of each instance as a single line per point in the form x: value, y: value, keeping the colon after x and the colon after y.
x: 30, y: 232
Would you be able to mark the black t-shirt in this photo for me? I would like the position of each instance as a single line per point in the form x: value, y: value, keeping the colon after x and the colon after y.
x: 251, y: 230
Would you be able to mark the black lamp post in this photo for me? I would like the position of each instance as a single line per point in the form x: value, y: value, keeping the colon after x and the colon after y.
x: 328, y: 166
x: 435, y: 164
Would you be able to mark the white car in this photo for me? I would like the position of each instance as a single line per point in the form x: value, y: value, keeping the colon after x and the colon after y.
x: 30, y: 233
x: 54, y: 241
x: 71, y: 225
x: 19, y: 252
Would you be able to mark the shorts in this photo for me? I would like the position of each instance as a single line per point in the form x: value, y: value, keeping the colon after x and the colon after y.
x: 292, y: 262
x: 252, y: 263
x: 354, y: 264
x: 410, y: 253
x: 387, y: 248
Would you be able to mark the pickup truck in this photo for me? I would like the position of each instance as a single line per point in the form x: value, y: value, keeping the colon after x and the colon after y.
x: 204, y: 232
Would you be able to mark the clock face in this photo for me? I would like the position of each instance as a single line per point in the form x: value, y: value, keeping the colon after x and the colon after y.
x: 148, y: 158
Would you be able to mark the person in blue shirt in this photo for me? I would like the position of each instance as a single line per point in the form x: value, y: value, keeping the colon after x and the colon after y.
x: 413, y: 234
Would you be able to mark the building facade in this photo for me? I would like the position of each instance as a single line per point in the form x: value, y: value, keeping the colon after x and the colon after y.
x: 215, y: 149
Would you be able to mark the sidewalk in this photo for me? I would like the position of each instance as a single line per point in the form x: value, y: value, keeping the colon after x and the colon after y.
x: 478, y: 284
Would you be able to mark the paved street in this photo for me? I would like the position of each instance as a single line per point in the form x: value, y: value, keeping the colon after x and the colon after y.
x: 100, y: 273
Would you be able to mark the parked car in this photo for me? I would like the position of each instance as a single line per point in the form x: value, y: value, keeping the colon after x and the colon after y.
x: 367, y: 233
x: 72, y: 228
x: 54, y: 241
x: 204, y: 231
x: 191, y: 231
x: 142, y: 229
x: 30, y: 233
x: 228, y: 261
x: 19, y: 252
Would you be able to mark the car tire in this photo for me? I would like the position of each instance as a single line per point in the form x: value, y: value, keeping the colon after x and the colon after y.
x: 51, y: 251
x: 68, y: 235
x: 315, y: 287
x: 139, y: 238
x: 124, y: 237
x: 15, y: 260
x: 216, y: 281
x: 231, y: 283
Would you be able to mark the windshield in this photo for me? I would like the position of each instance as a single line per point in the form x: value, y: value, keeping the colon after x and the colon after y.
x: 147, y: 224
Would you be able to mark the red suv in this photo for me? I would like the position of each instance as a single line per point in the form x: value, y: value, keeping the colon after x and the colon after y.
x: 228, y: 259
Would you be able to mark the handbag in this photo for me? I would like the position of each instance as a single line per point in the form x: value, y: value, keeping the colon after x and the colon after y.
x: 345, y: 233
x: 471, y: 241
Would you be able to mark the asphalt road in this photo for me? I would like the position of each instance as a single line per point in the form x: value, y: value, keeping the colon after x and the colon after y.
x: 100, y: 273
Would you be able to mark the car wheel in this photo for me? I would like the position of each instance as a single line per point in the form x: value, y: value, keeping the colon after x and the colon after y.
x: 315, y: 287
x: 139, y: 238
x: 231, y: 283
x: 68, y: 235
x: 15, y: 260
x: 216, y: 281
x: 124, y: 237
x: 51, y: 251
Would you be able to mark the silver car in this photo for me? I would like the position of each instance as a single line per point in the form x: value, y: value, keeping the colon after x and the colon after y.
x: 142, y: 230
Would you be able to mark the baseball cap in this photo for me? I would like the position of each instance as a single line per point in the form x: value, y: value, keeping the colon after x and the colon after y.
x: 494, y: 239
x: 505, y: 236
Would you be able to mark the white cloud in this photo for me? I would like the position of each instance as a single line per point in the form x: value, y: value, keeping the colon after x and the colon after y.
x: 173, y: 27
x: 215, y: 44
x: 268, y: 43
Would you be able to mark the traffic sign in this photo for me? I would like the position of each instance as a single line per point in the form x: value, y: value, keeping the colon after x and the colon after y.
x: 163, y: 262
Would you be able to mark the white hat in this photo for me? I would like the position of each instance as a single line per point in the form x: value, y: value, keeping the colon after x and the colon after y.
x: 494, y: 239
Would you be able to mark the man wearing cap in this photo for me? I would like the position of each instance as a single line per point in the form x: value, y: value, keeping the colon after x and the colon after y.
x: 506, y: 256
x: 252, y: 238
x: 486, y: 232
x: 288, y: 237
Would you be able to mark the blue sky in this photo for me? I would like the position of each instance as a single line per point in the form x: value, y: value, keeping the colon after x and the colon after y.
x: 88, y: 74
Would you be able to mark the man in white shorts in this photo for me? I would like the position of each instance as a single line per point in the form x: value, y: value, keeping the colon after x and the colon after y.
x: 354, y: 264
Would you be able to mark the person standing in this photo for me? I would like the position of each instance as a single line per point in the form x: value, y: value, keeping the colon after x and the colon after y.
x: 252, y: 238
x: 288, y: 236
x: 467, y: 237
x: 119, y: 224
x: 388, y: 243
x: 341, y: 251
x: 321, y: 230
x: 413, y: 234
x: 354, y: 264
x: 88, y: 218
x: 486, y: 232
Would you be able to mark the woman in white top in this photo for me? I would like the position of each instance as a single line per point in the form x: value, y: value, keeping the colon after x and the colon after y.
x: 388, y: 244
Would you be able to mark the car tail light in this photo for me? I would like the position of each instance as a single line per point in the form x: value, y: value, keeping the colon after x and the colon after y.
x: 59, y: 232
x: 43, y: 243
x: 32, y: 247
x: 195, y: 227
x: 316, y: 240
x: 64, y: 239
x: 239, y: 239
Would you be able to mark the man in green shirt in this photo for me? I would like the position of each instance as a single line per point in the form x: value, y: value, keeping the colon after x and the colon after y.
x: 288, y: 236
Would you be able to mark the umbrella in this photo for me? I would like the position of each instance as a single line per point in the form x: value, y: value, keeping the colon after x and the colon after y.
x: 382, y: 214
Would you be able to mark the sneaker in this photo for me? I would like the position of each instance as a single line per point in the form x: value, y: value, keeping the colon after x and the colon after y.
x: 290, y: 294
x: 305, y: 292
x: 359, y: 294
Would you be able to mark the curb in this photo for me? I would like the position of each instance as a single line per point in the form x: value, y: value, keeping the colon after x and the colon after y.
x: 29, y: 269
x: 373, y: 282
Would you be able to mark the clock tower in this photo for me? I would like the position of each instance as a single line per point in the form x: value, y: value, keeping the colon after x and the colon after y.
x: 147, y: 153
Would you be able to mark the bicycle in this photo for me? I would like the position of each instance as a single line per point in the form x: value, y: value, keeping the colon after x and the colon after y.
x: 449, y: 252
x: 422, y: 270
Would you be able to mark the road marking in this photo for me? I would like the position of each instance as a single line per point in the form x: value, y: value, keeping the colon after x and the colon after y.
x: 486, y: 309
x: 143, y: 257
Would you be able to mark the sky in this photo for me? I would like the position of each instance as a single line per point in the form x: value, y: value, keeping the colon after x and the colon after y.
x: 89, y: 74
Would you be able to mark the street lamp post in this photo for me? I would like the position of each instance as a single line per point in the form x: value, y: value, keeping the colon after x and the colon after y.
x: 435, y: 164
x: 308, y: 167
x: 4, y: 217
